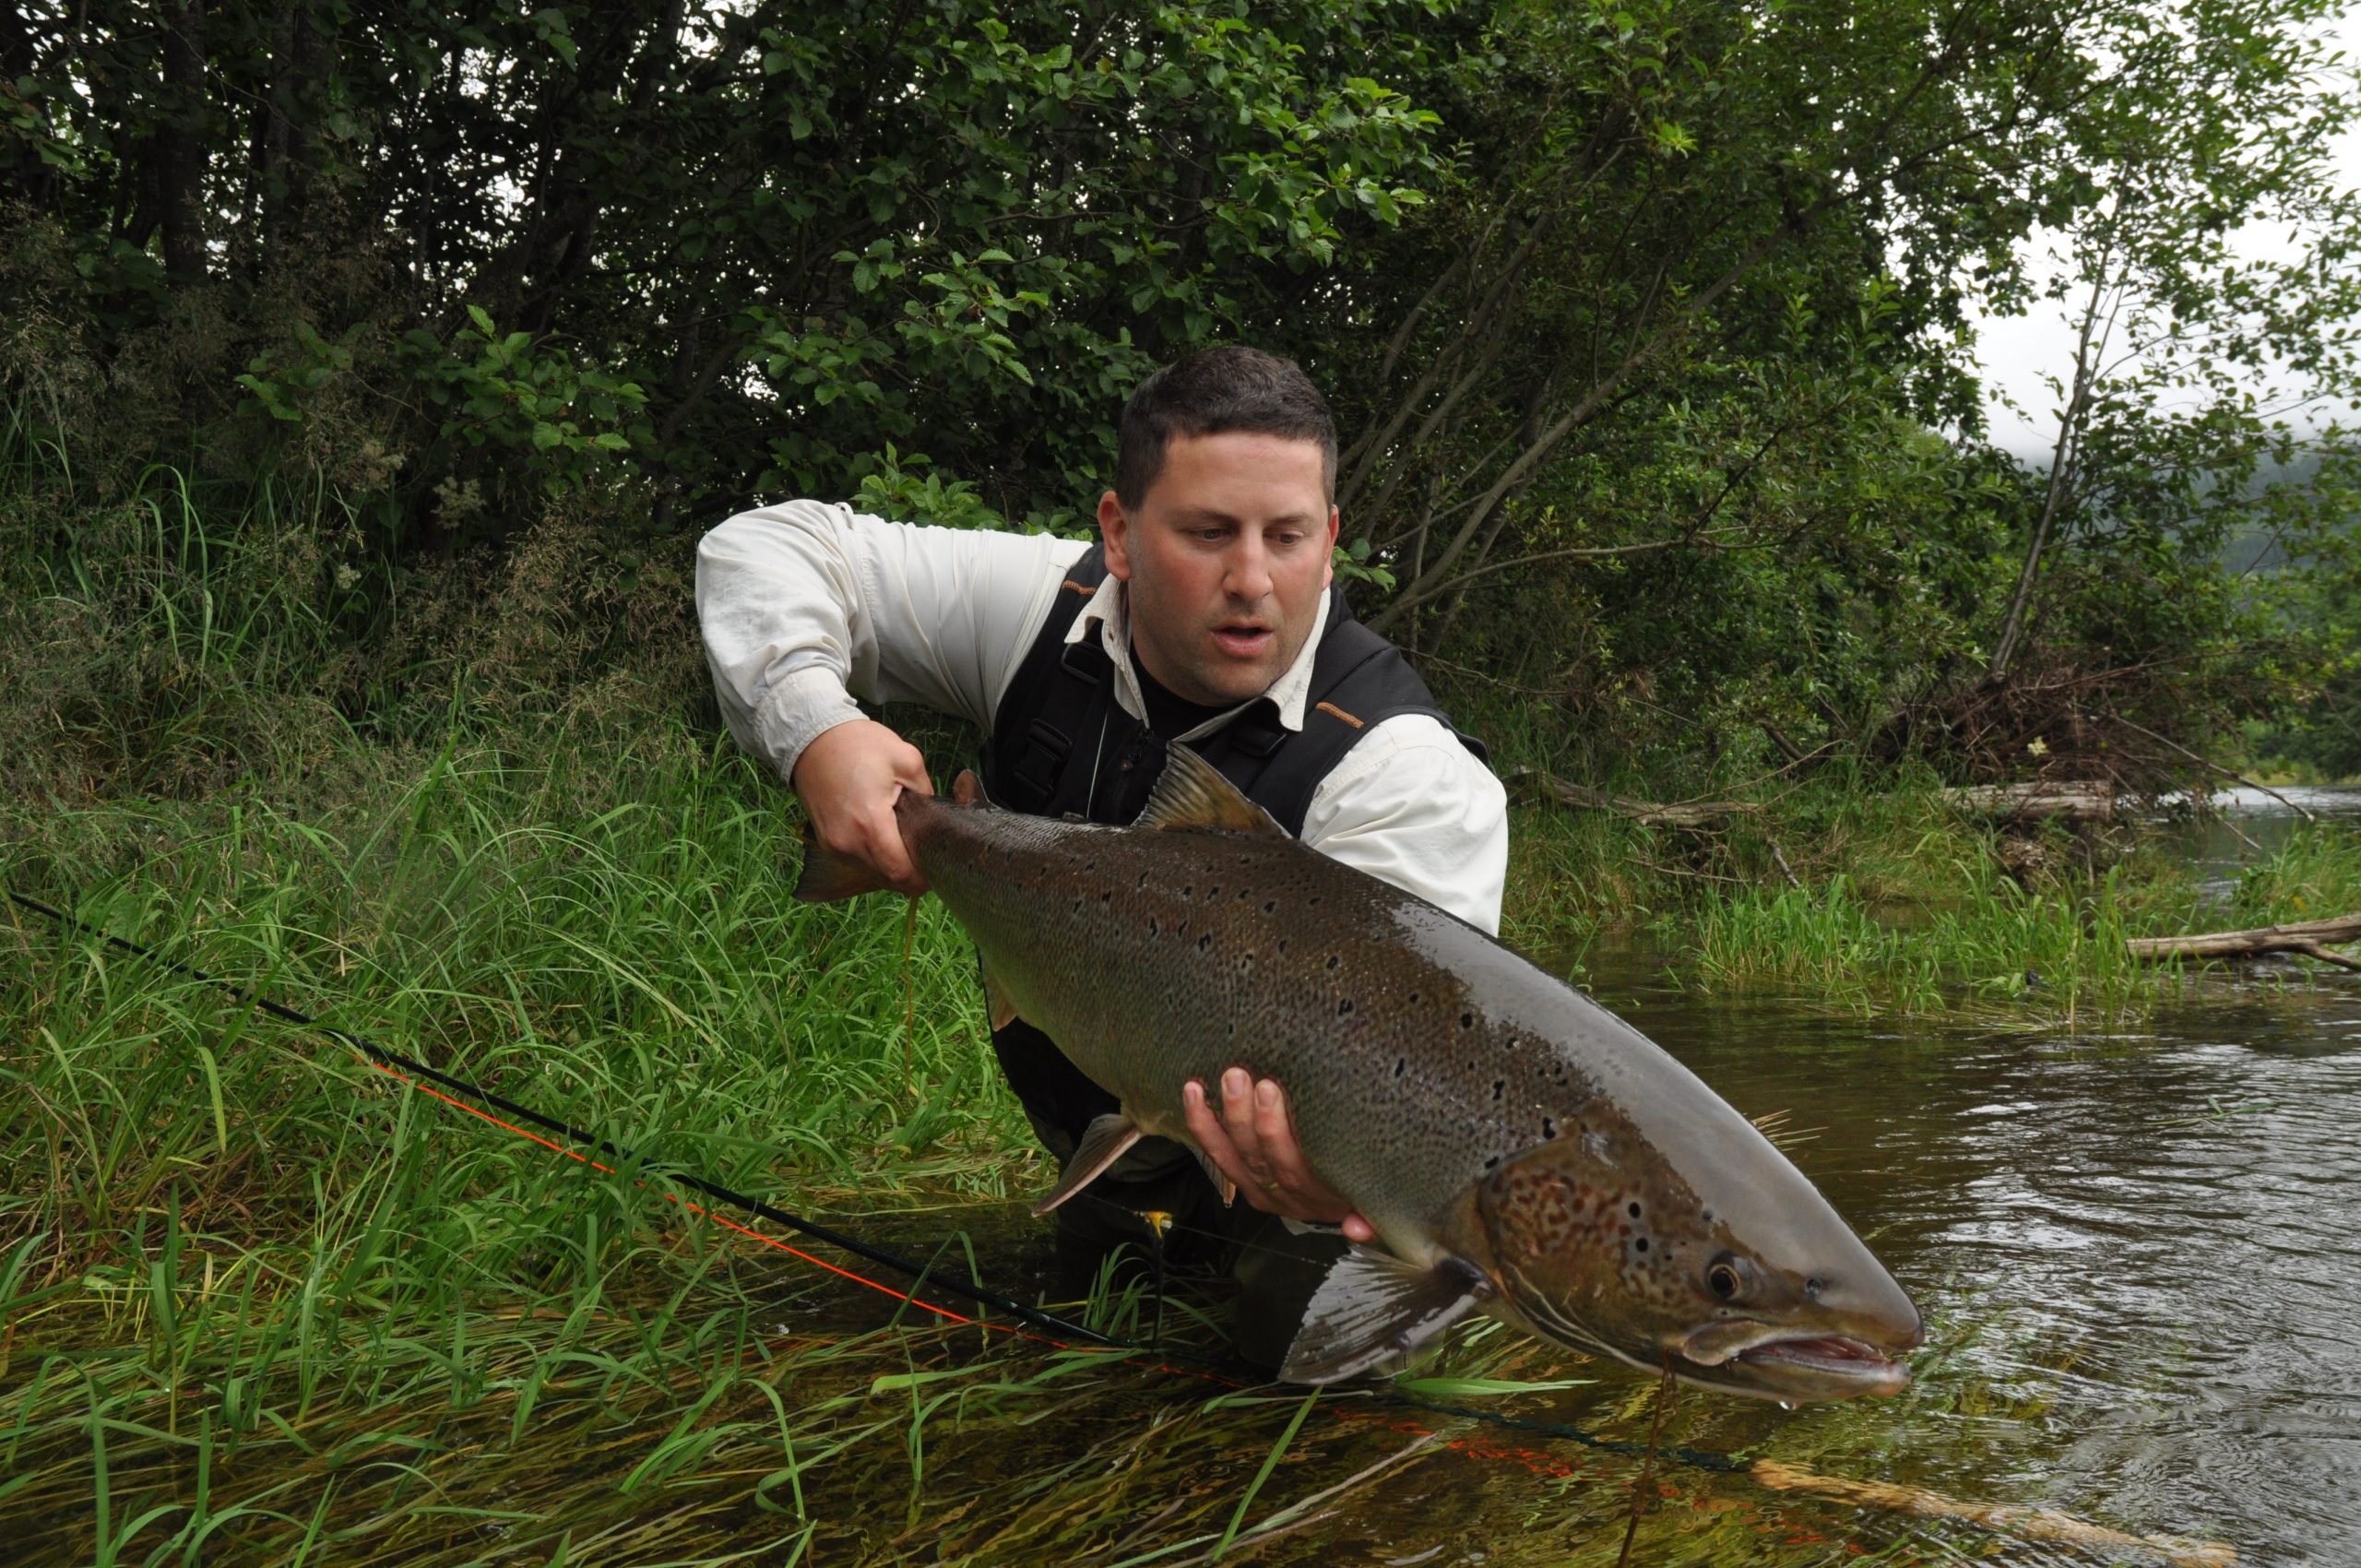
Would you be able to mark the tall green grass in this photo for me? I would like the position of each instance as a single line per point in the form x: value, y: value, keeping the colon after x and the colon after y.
x: 2042, y: 954
x: 259, y: 1302
x: 1982, y: 942
x: 262, y: 1304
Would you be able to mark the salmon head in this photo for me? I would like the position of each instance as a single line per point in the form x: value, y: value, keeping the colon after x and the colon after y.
x: 1718, y: 1260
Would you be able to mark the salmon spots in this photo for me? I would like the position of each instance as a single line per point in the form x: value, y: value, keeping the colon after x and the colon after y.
x: 1520, y: 1150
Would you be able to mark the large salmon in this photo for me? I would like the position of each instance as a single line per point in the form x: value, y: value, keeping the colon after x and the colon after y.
x: 1519, y: 1149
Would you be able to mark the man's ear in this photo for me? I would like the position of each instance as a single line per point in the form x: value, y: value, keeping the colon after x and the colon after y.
x: 1115, y: 531
x: 1328, y: 573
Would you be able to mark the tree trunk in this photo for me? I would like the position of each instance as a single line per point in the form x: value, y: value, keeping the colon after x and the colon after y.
x: 179, y: 149
x: 2064, y: 462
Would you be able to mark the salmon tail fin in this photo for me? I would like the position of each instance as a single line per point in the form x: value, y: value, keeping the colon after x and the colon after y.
x: 828, y: 876
x: 1103, y: 1143
x: 1192, y: 793
x: 1372, y: 1307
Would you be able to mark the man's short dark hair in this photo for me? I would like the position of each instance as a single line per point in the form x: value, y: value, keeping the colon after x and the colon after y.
x: 1213, y: 391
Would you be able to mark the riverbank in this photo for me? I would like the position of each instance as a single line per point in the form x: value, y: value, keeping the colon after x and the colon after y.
x: 262, y: 1301
x: 259, y: 1295
x: 1892, y: 899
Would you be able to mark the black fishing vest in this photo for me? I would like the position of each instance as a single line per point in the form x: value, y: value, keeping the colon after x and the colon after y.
x: 1062, y: 745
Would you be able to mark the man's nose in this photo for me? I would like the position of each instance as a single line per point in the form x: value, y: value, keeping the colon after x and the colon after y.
x: 1248, y: 572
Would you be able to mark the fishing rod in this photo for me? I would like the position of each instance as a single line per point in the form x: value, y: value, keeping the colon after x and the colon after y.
x: 384, y: 1056
x: 452, y: 1088
x: 1999, y: 1519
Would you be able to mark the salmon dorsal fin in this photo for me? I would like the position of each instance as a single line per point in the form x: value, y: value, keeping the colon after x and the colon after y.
x: 1193, y: 794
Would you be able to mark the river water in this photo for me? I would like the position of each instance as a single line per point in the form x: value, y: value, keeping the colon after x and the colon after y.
x: 2137, y: 1251
x: 2137, y: 1254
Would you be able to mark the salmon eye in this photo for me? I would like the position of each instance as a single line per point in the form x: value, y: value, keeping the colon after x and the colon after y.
x: 1726, y: 1278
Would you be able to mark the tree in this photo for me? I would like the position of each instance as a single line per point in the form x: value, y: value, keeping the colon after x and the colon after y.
x: 2163, y: 422
x: 745, y: 247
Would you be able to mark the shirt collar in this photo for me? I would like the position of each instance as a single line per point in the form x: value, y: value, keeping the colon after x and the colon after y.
x: 1109, y: 613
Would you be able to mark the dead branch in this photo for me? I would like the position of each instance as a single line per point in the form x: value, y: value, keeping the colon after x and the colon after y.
x: 1687, y: 814
x: 2216, y: 767
x: 2088, y: 800
x: 2308, y: 937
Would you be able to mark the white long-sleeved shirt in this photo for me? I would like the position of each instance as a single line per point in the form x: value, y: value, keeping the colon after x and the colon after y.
x: 807, y: 606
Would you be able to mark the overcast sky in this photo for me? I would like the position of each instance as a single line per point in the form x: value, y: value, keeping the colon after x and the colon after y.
x: 2017, y: 350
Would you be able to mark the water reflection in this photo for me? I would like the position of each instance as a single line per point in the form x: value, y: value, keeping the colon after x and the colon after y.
x: 2148, y: 1234
x: 2244, y: 823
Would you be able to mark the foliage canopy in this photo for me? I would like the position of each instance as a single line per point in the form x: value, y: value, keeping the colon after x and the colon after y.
x: 1649, y: 323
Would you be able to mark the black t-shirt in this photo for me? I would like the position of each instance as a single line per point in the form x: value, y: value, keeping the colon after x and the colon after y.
x: 1169, y: 717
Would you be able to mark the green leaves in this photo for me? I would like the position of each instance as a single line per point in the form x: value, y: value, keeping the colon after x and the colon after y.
x: 284, y: 384
x: 557, y: 419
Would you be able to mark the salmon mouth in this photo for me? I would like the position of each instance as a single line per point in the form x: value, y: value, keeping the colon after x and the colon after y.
x: 1835, y: 1356
x: 1748, y: 1355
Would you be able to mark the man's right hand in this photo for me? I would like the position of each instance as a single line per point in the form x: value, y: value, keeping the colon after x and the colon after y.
x: 848, y: 779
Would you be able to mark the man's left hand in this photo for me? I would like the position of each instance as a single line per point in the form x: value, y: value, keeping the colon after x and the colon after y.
x: 1253, y: 1141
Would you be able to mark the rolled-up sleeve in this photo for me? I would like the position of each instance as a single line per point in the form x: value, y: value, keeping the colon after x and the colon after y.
x: 1412, y: 807
x: 806, y: 607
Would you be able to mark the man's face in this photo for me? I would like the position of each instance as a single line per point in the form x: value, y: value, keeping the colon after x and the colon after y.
x: 1227, y: 557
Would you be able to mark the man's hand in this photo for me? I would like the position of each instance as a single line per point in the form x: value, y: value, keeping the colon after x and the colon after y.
x: 848, y: 779
x: 1252, y: 1142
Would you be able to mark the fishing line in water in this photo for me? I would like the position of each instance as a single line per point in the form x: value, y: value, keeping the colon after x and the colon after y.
x: 2003, y: 1519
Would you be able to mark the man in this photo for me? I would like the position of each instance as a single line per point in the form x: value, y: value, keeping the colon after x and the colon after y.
x: 1204, y: 615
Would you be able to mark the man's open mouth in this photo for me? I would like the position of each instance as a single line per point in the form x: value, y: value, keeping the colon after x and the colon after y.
x: 1242, y: 639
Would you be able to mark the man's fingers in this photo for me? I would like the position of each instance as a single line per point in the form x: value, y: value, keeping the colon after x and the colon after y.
x: 1274, y: 1131
x: 850, y: 776
x: 875, y: 841
x: 892, y: 857
x: 1203, y: 1125
x: 1206, y: 1127
x: 1237, y: 1119
x: 1249, y: 1136
x: 1221, y: 1133
x: 1296, y: 1189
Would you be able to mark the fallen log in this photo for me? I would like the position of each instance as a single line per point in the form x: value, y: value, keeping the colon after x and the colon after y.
x: 2076, y: 799
x: 1678, y: 813
x: 2308, y: 937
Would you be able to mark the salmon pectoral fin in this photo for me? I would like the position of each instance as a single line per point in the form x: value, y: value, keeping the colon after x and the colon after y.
x: 1373, y: 1306
x: 1103, y: 1143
